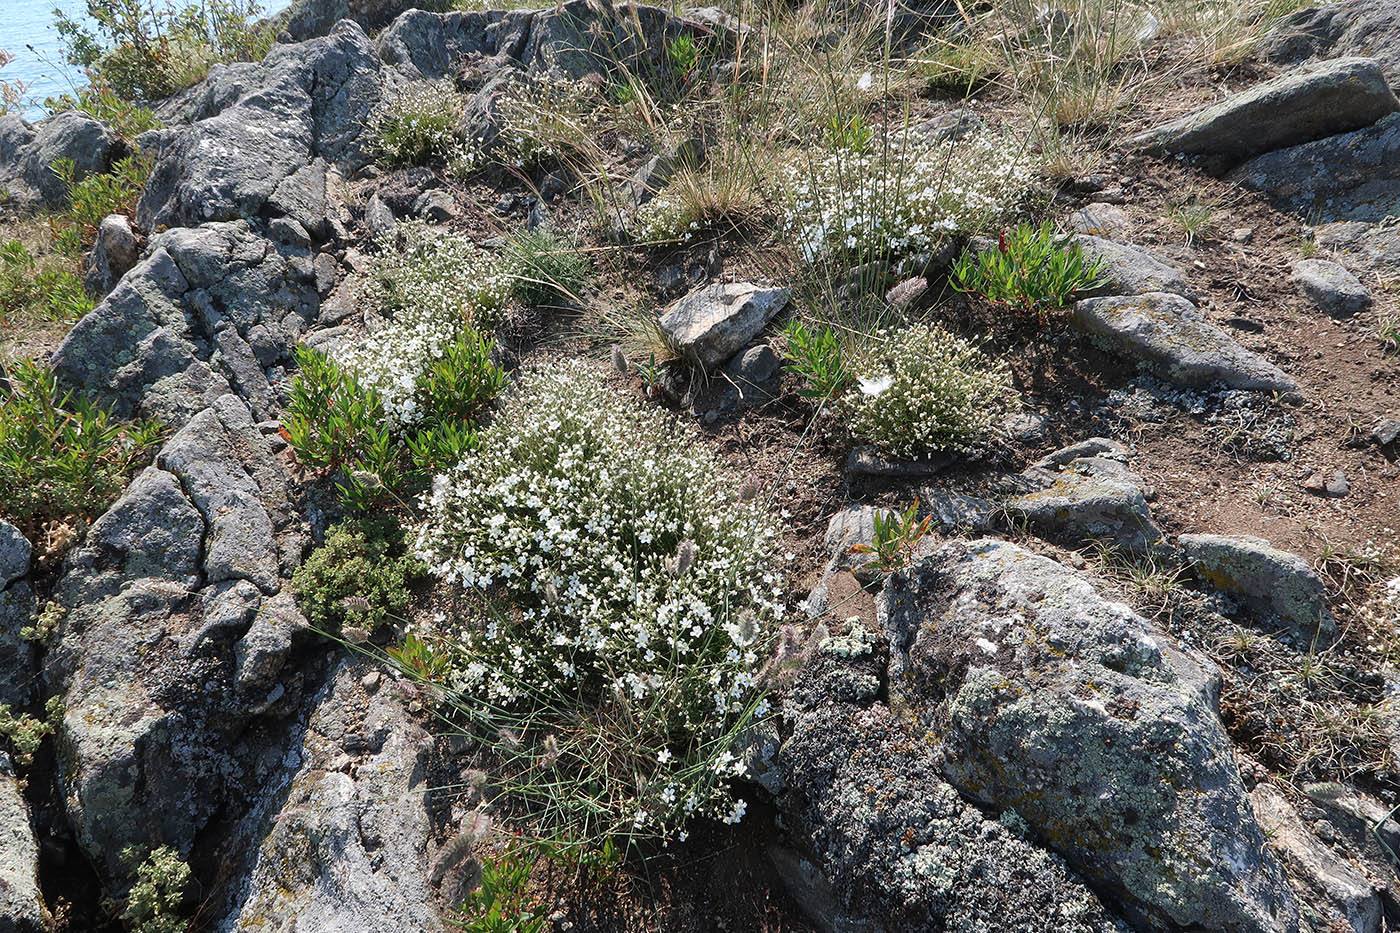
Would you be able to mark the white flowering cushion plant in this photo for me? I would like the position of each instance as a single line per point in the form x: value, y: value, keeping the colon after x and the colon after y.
x: 898, y: 195
x: 624, y: 590
x: 417, y: 124
x: 921, y: 389
x: 433, y: 285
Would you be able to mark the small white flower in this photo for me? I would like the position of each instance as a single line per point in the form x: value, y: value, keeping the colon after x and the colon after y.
x: 865, y: 81
x: 875, y: 385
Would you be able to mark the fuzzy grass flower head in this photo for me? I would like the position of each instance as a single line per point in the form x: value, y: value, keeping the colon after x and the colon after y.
x: 433, y: 286
x: 640, y: 588
x: 899, y: 195
x: 920, y: 389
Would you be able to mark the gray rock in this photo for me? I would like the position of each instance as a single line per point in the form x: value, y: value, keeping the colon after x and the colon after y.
x: 814, y: 895
x: 1386, y: 431
x: 1089, y: 447
x: 715, y: 321
x: 14, y: 554
x: 19, y: 673
x: 1132, y: 270
x: 1101, y: 220
x: 1356, y: 27
x: 951, y: 126
x: 1349, y: 177
x: 1040, y: 696
x: 1375, y: 247
x: 171, y: 337
x: 867, y: 461
x: 1090, y: 499
x: 379, y: 219
x: 1334, y: 895
x: 22, y: 907
x: 308, y: 19
x: 953, y: 512
x: 1026, y: 426
x: 28, y: 152
x: 851, y: 526
x: 1272, y: 581
x: 755, y: 366
x: 889, y: 834
x: 1331, y: 287
x: 1168, y: 332
x: 1367, y: 834
x: 1310, y: 102
x: 267, y: 151
x: 341, y: 852
x: 114, y: 252
x: 435, y: 206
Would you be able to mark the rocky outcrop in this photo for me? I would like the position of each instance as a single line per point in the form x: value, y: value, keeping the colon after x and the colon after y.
x: 211, y: 310
x: 1356, y: 27
x: 1277, y: 583
x: 339, y: 839
x: 22, y: 907
x: 1168, y: 332
x: 897, y: 842
x: 28, y: 152
x: 1038, y: 697
x: 269, y: 149
x: 716, y: 321
x: 1311, y: 102
x: 1352, y: 176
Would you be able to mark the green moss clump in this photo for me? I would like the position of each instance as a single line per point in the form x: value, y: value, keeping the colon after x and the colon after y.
x: 361, y: 576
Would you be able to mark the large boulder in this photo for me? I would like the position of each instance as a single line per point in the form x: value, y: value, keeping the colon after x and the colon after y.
x: 338, y: 842
x: 173, y: 657
x: 896, y: 841
x: 1311, y: 102
x: 22, y: 907
x: 209, y: 310
x: 1040, y: 697
x: 1168, y: 332
x: 1275, y: 582
x: 28, y: 152
x: 266, y: 152
x: 1132, y: 270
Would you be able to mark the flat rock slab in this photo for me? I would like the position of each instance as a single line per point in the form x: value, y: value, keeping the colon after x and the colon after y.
x: 716, y: 321
x: 1351, y: 176
x: 1331, y: 287
x: 1168, y: 332
x: 1132, y: 270
x: 1039, y: 695
x: 1272, y: 581
x: 1311, y: 102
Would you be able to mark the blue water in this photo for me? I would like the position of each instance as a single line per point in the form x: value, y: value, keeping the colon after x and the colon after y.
x: 27, y: 33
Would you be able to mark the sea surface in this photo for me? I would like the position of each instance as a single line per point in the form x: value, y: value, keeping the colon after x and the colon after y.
x: 27, y: 33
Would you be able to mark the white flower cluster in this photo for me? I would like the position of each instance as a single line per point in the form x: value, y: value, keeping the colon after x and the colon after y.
x: 671, y: 215
x: 899, y: 196
x: 542, y: 116
x: 417, y: 124
x: 920, y: 389
x: 431, y: 284
x: 638, y: 577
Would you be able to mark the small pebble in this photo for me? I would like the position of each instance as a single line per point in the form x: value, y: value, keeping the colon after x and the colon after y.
x: 371, y: 681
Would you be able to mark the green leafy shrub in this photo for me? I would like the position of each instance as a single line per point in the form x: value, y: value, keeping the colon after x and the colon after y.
x: 503, y: 901
x: 921, y: 389
x: 896, y: 539
x: 359, y: 578
x: 897, y: 197
x: 144, y: 50
x: 60, y: 455
x: 417, y: 125
x: 162, y: 880
x: 331, y: 420
x: 458, y: 385
x: 92, y: 197
x: 623, y: 592
x: 435, y: 287
x: 814, y: 354
x: 546, y: 270
x: 1031, y: 270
